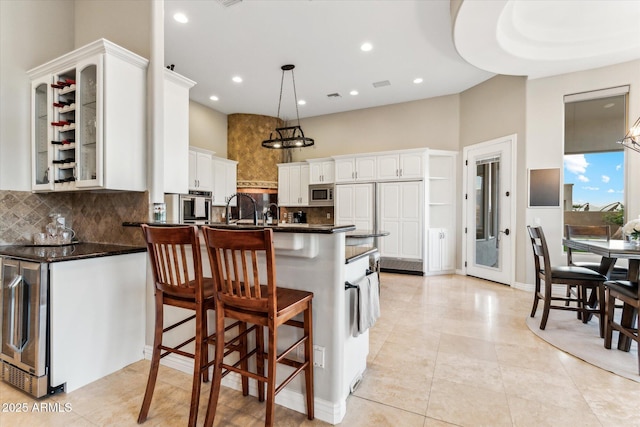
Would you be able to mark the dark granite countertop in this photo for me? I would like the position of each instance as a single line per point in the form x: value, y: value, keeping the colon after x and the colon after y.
x: 279, y: 228
x: 67, y: 252
x: 353, y: 253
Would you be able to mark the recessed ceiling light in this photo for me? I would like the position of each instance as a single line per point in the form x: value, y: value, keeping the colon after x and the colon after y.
x: 418, y: 80
x: 181, y: 18
x: 237, y: 79
x: 353, y: 92
x: 214, y: 98
x: 302, y: 102
x: 366, y: 47
x: 609, y: 105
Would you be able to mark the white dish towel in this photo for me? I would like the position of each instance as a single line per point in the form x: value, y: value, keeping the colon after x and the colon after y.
x: 199, y: 209
x: 368, y: 302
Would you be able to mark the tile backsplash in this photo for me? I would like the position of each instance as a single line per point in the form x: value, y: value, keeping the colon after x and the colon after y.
x: 94, y: 216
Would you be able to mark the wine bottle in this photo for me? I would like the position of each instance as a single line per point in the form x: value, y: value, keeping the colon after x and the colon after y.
x: 64, y: 141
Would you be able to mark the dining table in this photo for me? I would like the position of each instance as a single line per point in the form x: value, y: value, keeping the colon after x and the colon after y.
x: 611, y: 251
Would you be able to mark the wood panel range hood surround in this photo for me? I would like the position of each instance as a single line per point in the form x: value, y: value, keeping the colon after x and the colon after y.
x: 257, y: 166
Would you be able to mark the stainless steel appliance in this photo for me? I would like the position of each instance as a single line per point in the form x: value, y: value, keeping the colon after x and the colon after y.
x: 321, y: 195
x: 23, y: 356
x: 188, y: 208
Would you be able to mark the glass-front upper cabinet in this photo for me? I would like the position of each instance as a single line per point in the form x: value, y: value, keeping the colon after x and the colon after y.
x: 89, y: 120
x: 89, y: 149
x: 42, y: 149
x: 63, y: 127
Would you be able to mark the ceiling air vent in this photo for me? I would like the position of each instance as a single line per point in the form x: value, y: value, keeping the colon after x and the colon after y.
x: 227, y: 3
x: 334, y: 95
x: 382, y: 83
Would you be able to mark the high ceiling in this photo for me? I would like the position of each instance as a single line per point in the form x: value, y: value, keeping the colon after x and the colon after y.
x: 411, y: 39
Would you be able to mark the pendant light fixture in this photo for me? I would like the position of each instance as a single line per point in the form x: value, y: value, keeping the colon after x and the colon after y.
x: 288, y: 136
x: 632, y: 139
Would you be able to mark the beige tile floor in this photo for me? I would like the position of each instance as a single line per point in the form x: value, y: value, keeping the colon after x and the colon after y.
x: 448, y: 350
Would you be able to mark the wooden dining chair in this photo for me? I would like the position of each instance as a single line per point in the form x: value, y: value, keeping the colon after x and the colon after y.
x: 593, y: 232
x: 582, y: 278
x: 176, y: 264
x: 626, y: 292
x: 243, y: 267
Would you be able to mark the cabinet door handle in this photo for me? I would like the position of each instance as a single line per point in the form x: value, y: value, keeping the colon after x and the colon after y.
x: 397, y: 172
x: 400, y: 172
x: 356, y: 174
x: 18, y: 321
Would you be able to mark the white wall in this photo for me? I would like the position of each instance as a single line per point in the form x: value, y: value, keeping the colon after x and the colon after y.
x: 545, y: 134
x: 124, y: 22
x: 207, y: 129
x: 22, y: 48
x: 432, y: 123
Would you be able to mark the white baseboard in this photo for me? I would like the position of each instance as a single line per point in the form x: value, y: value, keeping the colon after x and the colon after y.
x: 528, y: 287
x: 329, y: 412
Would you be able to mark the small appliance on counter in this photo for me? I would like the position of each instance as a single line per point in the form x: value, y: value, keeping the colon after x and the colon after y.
x: 299, y: 217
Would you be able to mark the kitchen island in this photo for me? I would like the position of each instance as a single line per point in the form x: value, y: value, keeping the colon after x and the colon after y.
x: 311, y: 258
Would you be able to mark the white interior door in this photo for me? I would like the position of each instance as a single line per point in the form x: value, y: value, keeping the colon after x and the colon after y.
x: 489, y: 238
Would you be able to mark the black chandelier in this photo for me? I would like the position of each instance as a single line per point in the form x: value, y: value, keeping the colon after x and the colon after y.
x: 632, y: 139
x: 288, y: 136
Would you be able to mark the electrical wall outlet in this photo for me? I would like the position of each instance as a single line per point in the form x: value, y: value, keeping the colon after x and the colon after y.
x: 328, y: 215
x: 318, y: 356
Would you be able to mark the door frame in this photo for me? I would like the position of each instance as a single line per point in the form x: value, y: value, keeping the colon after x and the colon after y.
x: 510, y: 257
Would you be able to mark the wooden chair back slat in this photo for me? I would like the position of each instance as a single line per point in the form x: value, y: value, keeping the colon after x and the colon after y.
x: 586, y: 232
x: 540, y: 250
x: 239, y: 276
x: 175, y: 259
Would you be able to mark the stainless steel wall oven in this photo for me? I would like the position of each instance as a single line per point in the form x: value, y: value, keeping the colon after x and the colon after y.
x: 24, y: 327
x: 189, y: 208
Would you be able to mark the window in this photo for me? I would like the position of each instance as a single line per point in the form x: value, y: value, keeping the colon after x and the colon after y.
x: 593, y: 162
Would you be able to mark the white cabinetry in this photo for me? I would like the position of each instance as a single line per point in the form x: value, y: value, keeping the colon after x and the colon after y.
x: 442, y: 211
x: 224, y: 181
x: 440, y: 257
x: 404, y: 165
x: 401, y: 214
x: 200, y: 169
x: 321, y: 171
x: 89, y: 120
x: 293, y: 184
x: 118, y: 284
x: 176, y: 132
x: 355, y: 205
x: 350, y: 169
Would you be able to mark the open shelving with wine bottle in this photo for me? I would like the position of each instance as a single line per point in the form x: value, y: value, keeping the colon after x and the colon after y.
x: 89, y: 120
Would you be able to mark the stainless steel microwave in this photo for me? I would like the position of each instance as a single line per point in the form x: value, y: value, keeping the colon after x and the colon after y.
x: 321, y: 195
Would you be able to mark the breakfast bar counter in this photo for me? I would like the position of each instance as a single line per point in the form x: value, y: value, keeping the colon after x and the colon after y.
x: 311, y: 258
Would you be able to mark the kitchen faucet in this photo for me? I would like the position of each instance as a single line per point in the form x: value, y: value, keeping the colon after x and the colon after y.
x: 277, y: 211
x: 255, y: 207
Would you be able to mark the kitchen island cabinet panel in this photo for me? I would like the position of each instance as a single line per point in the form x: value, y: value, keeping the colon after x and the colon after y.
x: 97, y: 317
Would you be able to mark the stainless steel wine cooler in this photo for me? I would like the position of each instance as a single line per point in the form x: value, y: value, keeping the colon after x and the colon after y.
x: 23, y: 359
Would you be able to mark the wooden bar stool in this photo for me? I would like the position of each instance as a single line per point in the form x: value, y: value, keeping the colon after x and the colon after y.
x: 176, y: 264
x: 247, y: 291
